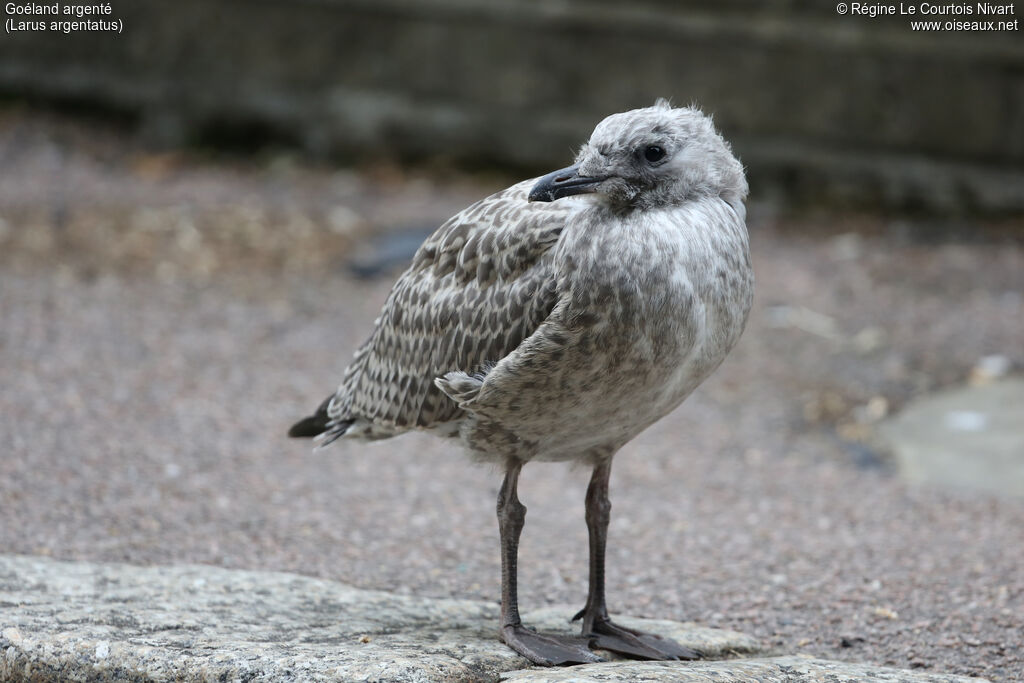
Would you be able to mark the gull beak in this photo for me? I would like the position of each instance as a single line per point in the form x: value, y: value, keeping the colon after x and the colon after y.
x: 563, y: 183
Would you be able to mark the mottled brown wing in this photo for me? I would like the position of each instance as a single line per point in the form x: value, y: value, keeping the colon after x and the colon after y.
x: 476, y: 288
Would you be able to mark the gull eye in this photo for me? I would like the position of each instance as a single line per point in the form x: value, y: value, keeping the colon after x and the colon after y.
x: 654, y: 153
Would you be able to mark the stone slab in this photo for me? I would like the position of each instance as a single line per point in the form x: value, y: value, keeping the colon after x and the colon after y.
x: 74, y: 621
x: 970, y: 437
x: 77, y: 621
x: 794, y: 669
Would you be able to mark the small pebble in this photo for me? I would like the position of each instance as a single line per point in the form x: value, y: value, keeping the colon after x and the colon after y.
x: 989, y: 369
x: 885, y: 613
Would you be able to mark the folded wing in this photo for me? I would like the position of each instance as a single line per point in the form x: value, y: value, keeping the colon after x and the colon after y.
x: 476, y: 289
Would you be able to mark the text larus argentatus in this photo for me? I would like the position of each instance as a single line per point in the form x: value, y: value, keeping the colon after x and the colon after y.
x: 535, y: 327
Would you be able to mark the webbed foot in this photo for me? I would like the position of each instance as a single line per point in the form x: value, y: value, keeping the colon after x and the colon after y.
x: 607, y: 635
x: 548, y: 650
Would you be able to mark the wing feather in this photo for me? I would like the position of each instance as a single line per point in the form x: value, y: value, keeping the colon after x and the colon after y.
x: 479, y: 286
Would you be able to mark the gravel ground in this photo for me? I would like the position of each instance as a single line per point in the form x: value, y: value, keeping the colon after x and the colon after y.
x: 163, y: 319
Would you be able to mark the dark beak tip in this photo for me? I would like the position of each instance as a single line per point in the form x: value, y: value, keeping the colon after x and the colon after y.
x: 562, y: 183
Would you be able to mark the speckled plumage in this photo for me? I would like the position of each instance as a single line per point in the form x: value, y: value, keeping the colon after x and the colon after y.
x: 476, y: 289
x: 558, y: 329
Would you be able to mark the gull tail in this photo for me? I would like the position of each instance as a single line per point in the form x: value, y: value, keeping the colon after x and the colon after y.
x: 320, y: 425
x: 308, y: 427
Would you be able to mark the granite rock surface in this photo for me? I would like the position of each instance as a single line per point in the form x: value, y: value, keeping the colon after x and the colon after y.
x: 78, y: 621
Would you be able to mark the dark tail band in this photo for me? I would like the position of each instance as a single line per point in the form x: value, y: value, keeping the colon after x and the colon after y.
x: 314, y: 425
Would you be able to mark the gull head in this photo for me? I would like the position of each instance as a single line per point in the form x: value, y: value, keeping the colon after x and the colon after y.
x: 657, y: 157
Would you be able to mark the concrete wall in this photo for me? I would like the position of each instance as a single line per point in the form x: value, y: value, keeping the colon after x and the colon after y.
x: 850, y: 108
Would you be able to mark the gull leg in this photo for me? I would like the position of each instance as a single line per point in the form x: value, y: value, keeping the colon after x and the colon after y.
x: 597, y: 625
x: 548, y: 650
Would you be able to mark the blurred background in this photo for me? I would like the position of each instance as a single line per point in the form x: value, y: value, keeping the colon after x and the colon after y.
x: 201, y: 214
x: 823, y: 108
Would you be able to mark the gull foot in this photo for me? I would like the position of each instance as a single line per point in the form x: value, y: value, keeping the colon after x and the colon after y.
x: 607, y: 635
x: 548, y: 650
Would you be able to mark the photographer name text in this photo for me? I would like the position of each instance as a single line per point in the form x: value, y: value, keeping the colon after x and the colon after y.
x: 928, y: 16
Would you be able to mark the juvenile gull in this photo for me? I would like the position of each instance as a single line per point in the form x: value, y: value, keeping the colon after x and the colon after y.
x: 556, y: 320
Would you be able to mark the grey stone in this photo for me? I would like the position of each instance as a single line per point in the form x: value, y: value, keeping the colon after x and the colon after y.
x: 74, y: 621
x: 78, y: 621
x: 768, y: 670
x: 970, y: 437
